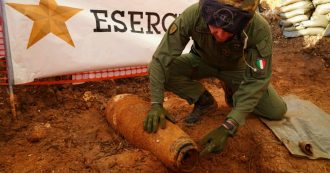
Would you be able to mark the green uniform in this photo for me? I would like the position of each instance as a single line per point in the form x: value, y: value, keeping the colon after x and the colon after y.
x: 179, y: 73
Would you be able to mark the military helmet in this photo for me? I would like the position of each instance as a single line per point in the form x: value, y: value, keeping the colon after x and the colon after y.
x: 244, y: 5
x: 230, y: 15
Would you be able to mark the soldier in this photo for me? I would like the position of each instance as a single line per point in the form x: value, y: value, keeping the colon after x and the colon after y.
x: 231, y: 42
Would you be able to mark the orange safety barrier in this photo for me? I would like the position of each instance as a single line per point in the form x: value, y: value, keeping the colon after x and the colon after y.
x: 114, y: 73
x: 3, y: 64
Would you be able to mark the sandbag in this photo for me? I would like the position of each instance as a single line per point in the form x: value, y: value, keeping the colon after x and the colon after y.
x: 318, y: 2
x: 284, y: 23
x: 295, y: 12
x: 303, y: 32
x: 294, y: 20
x: 327, y: 31
x: 318, y: 22
x: 288, y: 2
x: 317, y: 16
x: 293, y: 28
x: 297, y: 5
x: 322, y: 9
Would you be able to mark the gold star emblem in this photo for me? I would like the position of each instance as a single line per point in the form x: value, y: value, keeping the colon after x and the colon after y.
x: 48, y: 17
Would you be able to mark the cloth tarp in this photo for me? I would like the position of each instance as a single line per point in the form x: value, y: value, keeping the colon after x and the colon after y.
x: 305, y: 126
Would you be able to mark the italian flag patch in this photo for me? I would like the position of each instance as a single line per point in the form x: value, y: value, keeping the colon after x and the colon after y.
x: 261, y: 63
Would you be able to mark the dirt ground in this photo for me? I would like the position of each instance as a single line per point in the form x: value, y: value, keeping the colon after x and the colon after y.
x: 62, y: 128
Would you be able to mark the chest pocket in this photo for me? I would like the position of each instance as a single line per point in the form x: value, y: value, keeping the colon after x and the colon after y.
x: 202, y: 36
x: 232, y: 50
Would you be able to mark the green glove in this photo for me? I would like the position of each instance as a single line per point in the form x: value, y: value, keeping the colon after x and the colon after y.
x: 214, y: 141
x: 157, y: 114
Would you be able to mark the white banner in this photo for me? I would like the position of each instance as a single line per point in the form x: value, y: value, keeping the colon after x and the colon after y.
x: 56, y: 37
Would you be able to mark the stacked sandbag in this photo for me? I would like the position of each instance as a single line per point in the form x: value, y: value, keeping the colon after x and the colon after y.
x: 305, y: 17
x: 293, y: 12
x: 322, y: 12
x: 322, y: 7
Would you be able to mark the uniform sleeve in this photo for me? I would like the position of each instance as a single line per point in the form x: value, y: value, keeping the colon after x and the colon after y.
x: 171, y: 46
x: 256, y: 78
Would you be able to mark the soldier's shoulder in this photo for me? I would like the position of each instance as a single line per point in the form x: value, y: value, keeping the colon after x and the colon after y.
x: 259, y: 29
x: 260, y: 22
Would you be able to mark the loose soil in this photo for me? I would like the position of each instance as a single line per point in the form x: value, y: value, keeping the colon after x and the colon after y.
x: 63, y: 129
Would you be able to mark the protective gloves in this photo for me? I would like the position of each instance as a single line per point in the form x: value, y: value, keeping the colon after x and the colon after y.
x: 157, y: 114
x: 215, y: 140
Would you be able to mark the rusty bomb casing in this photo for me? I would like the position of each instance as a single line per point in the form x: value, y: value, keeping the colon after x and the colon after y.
x: 171, y: 145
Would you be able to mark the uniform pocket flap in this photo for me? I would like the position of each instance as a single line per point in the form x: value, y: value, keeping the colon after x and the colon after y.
x: 264, y: 49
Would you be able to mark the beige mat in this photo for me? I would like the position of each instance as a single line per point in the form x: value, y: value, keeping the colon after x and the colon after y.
x: 305, y: 131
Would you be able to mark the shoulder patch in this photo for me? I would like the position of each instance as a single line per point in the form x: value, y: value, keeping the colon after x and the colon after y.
x: 261, y: 63
x: 173, y: 28
x: 259, y: 71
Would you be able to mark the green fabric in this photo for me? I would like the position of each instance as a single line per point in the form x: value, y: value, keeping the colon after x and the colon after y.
x: 156, y: 115
x: 223, y: 60
x: 305, y: 123
x: 214, y: 141
x: 185, y: 71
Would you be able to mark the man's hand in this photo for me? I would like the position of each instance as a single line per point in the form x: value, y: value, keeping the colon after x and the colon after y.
x: 157, y: 114
x: 214, y: 141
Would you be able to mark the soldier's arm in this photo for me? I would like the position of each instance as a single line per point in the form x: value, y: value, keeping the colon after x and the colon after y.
x: 257, y: 78
x: 171, y: 46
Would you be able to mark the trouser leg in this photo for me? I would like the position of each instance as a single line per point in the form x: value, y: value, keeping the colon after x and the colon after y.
x: 271, y: 105
x: 230, y: 81
x: 184, y: 71
x: 183, y: 74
